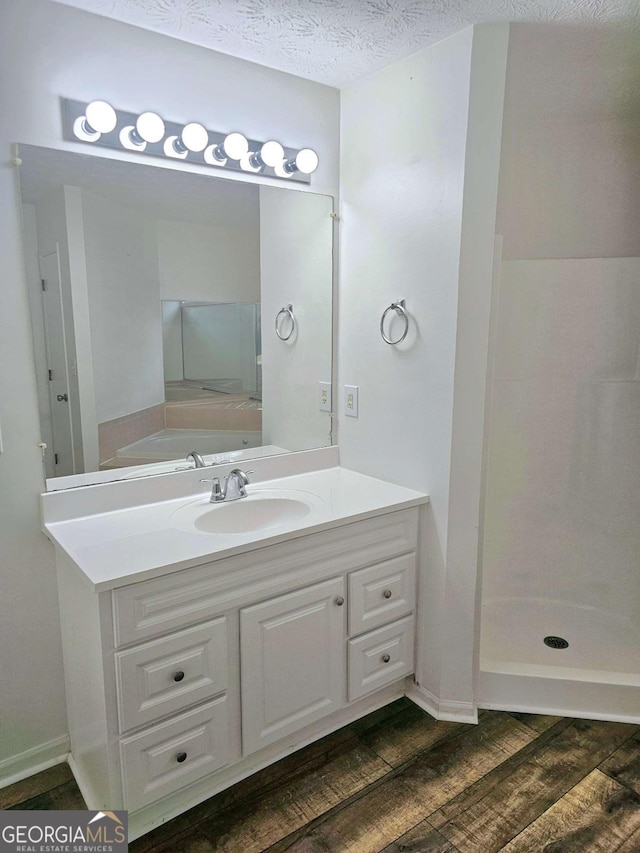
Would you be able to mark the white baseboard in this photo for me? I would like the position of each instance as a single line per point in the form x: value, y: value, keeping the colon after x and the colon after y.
x: 34, y: 760
x: 450, y: 710
x: 85, y: 788
x: 423, y: 698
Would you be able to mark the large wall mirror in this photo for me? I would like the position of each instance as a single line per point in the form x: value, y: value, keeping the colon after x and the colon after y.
x: 154, y: 295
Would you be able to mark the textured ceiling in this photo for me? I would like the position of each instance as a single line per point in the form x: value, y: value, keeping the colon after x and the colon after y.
x: 337, y: 41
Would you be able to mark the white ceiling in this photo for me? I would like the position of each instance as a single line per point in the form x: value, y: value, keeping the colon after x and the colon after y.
x: 337, y: 41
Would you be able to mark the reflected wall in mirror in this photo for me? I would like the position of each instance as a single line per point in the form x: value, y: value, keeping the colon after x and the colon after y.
x: 153, y: 296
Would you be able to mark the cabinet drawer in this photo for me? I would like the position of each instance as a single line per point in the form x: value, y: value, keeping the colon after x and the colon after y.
x: 165, y: 758
x: 380, y: 657
x: 381, y: 593
x: 167, y: 675
x: 147, y: 609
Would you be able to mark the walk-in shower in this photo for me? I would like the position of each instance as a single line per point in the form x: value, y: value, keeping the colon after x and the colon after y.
x: 560, y: 604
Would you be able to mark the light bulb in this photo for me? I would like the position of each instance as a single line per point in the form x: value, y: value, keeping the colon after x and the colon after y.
x: 212, y: 156
x: 100, y: 116
x: 150, y: 127
x: 282, y: 170
x: 272, y: 153
x: 172, y: 148
x: 306, y: 161
x: 194, y: 137
x: 131, y: 140
x: 82, y: 130
x: 247, y: 164
x: 235, y: 146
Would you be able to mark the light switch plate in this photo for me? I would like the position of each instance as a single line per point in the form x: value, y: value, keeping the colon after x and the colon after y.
x: 324, y: 396
x: 351, y: 401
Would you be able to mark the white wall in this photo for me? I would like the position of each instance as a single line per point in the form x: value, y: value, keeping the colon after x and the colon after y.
x: 209, y: 263
x: 420, y: 155
x: 172, y: 340
x: 125, y: 314
x: 461, y: 612
x: 296, y: 267
x: 77, y: 305
x: 48, y: 50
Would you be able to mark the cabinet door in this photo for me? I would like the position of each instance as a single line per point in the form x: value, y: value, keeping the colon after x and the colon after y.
x: 293, y: 662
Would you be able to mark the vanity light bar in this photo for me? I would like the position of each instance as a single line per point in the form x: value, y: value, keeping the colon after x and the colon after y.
x: 98, y: 123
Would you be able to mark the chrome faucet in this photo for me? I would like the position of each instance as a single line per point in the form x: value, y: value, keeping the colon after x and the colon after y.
x: 197, y: 458
x: 234, y: 486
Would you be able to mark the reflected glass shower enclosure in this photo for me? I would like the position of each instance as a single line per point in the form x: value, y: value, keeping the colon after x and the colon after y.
x: 213, y: 347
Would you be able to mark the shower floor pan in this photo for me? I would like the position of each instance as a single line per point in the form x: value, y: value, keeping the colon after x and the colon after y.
x: 597, y: 675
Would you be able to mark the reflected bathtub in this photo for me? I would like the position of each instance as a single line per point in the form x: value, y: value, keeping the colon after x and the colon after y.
x: 168, y: 444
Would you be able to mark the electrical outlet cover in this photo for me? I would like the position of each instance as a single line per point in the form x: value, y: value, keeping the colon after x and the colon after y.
x: 324, y: 396
x: 351, y: 401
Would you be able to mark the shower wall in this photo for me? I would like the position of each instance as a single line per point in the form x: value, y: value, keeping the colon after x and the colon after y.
x: 562, y: 464
x: 563, y: 477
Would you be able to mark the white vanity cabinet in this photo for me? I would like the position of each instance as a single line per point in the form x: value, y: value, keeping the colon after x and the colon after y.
x: 182, y: 684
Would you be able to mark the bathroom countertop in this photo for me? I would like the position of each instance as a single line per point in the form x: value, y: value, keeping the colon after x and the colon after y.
x: 124, y: 546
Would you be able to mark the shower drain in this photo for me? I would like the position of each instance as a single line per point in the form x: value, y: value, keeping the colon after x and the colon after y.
x: 556, y: 642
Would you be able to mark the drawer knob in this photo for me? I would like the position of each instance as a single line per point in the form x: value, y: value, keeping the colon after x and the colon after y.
x: 387, y: 593
x: 180, y: 757
x: 386, y: 658
x: 339, y: 601
x: 178, y: 676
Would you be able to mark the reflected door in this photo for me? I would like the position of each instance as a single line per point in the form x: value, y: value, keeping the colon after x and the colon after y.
x: 56, y: 351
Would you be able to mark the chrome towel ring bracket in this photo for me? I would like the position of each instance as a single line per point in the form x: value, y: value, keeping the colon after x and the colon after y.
x: 399, y: 308
x: 287, y: 311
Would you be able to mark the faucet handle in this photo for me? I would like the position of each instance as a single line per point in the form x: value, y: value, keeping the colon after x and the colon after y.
x: 242, y: 475
x: 216, y: 491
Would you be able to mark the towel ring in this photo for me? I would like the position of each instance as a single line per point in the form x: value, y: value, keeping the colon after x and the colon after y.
x: 399, y: 308
x: 288, y: 310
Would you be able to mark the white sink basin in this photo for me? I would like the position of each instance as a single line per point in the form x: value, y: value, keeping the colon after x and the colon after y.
x: 260, y: 510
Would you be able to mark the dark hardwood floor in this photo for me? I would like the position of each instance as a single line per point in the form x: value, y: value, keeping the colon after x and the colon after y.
x: 400, y: 781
